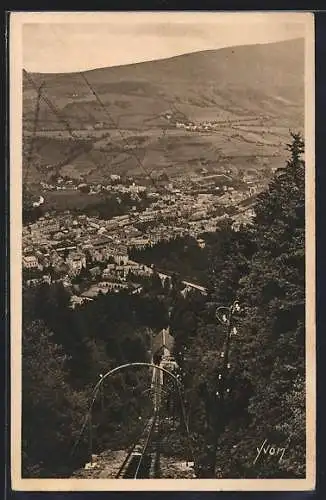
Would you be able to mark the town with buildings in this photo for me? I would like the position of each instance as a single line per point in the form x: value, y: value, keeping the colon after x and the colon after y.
x: 61, y: 246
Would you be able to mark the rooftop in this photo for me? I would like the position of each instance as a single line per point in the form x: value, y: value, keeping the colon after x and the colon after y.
x: 29, y: 258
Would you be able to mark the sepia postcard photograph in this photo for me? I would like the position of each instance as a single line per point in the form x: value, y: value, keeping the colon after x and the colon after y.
x: 162, y: 251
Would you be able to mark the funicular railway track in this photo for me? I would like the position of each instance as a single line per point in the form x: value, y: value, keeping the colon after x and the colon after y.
x: 142, y: 455
x: 138, y: 461
x: 145, y: 457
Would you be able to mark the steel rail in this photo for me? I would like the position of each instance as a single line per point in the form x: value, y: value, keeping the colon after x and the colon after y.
x: 157, y: 400
x: 145, y: 438
x: 131, y: 449
x: 146, y: 444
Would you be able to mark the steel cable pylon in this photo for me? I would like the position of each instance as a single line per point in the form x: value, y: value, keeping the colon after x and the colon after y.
x: 224, y: 315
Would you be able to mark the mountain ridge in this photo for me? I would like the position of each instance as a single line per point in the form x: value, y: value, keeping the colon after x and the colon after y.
x: 255, y: 93
x: 129, y: 65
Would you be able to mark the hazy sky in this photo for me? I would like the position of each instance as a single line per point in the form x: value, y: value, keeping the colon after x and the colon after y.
x: 72, y: 42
